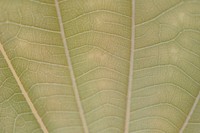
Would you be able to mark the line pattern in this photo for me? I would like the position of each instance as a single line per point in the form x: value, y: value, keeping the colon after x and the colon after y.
x: 34, y: 111
x: 128, y: 106
x: 190, y: 113
x: 74, y: 84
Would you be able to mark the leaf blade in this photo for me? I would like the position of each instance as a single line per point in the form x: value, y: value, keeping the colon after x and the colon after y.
x: 80, y: 108
x: 34, y: 111
x: 37, y: 55
x: 165, y: 85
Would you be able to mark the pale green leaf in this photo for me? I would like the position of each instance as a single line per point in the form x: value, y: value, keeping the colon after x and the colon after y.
x: 99, y: 66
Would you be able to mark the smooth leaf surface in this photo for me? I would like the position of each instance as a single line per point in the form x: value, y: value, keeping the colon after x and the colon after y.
x: 66, y: 66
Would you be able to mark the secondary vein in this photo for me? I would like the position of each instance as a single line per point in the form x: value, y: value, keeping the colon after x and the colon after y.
x: 34, y: 111
x: 190, y: 113
x: 74, y: 84
x: 128, y: 106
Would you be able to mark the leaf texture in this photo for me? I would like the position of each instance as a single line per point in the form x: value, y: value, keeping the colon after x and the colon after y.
x: 99, y: 66
x: 165, y: 94
x: 68, y: 56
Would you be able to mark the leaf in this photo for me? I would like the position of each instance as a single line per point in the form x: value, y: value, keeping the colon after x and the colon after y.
x: 166, y: 83
x: 83, y: 66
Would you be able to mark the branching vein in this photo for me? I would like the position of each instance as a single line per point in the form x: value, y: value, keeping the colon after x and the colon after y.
x: 82, y: 116
x: 34, y: 111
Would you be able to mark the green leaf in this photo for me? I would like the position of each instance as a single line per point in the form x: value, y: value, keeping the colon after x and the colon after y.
x: 99, y: 66
x: 166, y: 83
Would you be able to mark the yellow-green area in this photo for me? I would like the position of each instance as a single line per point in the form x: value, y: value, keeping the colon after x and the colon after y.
x: 72, y: 59
x: 166, y: 79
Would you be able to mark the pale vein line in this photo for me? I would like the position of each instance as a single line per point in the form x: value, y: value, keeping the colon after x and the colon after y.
x: 164, y: 12
x: 190, y: 113
x: 128, y: 106
x: 34, y: 111
x: 75, y: 88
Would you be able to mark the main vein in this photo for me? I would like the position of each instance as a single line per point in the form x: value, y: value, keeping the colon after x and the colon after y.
x: 34, y: 111
x: 128, y: 106
x: 75, y: 88
x: 190, y: 113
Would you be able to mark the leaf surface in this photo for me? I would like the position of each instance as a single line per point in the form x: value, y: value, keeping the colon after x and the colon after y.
x: 99, y: 66
x: 166, y: 82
